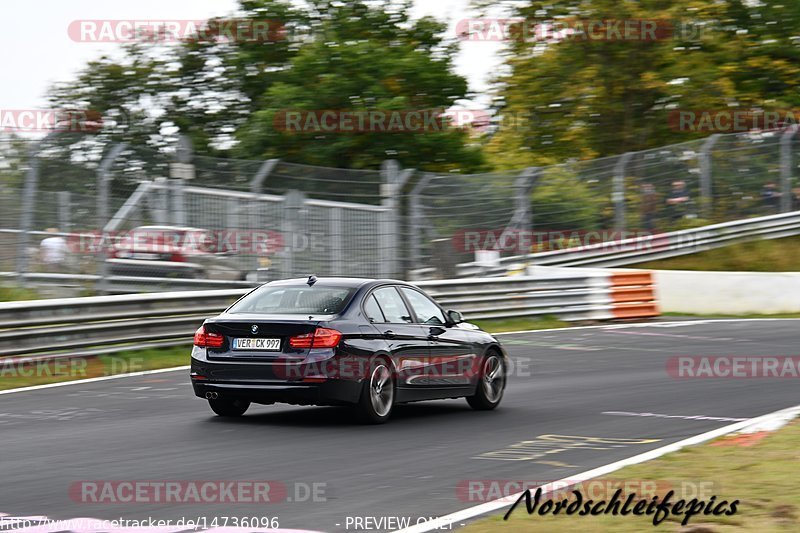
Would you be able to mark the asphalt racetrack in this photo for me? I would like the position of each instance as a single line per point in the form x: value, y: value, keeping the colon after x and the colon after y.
x: 571, y: 405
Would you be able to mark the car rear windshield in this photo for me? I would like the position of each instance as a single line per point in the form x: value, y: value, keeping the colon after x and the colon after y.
x: 304, y: 300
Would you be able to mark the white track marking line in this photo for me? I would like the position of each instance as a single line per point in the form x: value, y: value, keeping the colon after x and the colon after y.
x: 92, y: 380
x: 689, y: 322
x: 445, y: 522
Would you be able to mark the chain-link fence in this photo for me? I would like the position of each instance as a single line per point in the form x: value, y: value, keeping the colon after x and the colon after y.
x: 115, y: 210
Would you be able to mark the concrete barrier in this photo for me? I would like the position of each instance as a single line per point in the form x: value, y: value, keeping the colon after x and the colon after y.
x: 729, y: 293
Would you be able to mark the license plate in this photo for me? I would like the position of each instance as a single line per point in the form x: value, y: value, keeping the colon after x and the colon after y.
x: 268, y: 345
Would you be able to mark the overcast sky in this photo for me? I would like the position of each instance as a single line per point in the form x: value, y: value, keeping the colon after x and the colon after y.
x: 38, y: 51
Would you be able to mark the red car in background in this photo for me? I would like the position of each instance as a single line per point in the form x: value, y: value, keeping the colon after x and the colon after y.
x: 185, y: 252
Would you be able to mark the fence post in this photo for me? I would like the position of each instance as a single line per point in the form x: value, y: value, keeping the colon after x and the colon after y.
x: 180, y: 171
x: 786, y: 168
x: 293, y: 202
x: 103, y: 202
x: 618, y: 193
x: 263, y: 172
x: 521, y: 219
x: 28, y: 208
x: 706, y: 191
x: 392, y: 182
x: 335, y: 230
x: 416, y: 215
x: 64, y: 209
x: 158, y: 201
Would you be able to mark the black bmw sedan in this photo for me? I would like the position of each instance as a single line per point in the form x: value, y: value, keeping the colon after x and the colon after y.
x: 343, y: 341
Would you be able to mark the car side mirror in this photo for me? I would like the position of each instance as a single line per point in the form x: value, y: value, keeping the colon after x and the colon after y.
x: 455, y: 317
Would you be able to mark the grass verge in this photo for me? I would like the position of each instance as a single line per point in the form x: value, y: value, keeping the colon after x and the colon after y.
x: 13, y: 294
x: 762, y: 474
x: 55, y: 371
x: 776, y: 255
x: 500, y: 325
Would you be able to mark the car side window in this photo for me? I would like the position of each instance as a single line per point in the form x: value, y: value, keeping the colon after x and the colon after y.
x: 392, y: 305
x: 373, y: 310
x: 427, y: 312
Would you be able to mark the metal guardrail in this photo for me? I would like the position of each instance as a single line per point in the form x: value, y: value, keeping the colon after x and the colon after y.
x: 650, y: 248
x: 70, y: 327
x: 123, y: 284
x: 41, y: 329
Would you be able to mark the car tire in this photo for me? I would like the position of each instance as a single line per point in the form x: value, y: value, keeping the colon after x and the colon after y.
x: 491, y: 383
x: 377, y: 396
x: 228, y: 408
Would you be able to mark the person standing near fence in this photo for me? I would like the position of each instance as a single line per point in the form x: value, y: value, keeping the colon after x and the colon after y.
x: 678, y: 201
x: 649, y: 206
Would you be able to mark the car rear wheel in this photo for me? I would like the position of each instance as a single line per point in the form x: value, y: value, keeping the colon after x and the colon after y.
x: 491, y: 384
x: 377, y: 397
x: 225, y: 407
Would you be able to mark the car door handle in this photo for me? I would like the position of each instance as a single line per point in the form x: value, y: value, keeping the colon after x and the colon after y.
x: 389, y: 334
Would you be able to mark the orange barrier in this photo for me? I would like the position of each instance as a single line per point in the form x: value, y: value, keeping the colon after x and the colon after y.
x: 633, y: 295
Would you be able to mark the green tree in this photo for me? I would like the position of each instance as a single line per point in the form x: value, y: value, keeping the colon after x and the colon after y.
x: 584, y: 98
x: 349, y: 55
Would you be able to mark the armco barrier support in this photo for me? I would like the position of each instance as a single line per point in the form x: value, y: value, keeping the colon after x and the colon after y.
x: 633, y: 295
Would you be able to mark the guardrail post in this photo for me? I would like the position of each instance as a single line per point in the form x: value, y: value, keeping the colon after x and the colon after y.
x: 786, y: 168
x: 618, y: 192
x: 706, y: 196
x: 263, y: 172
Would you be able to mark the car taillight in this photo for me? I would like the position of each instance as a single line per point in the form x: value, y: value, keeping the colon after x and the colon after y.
x: 206, y: 339
x: 321, y: 338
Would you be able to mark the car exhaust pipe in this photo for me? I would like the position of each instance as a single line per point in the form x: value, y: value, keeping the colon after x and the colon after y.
x: 212, y: 396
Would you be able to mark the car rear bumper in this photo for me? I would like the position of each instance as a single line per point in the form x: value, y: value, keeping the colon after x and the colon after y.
x: 333, y: 392
x: 265, y: 381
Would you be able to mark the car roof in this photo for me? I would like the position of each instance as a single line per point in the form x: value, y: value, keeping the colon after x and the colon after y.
x: 335, y: 282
